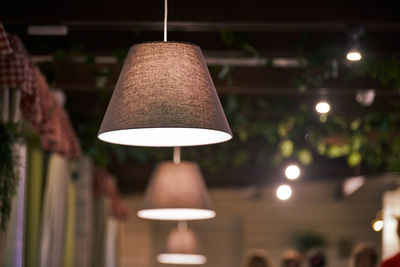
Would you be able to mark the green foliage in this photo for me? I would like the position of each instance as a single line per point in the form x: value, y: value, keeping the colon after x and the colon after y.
x: 267, y: 131
x: 386, y: 71
x: 8, y: 178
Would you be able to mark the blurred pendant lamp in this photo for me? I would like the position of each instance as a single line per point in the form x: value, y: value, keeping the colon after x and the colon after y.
x: 176, y: 191
x: 182, y: 247
x: 164, y: 97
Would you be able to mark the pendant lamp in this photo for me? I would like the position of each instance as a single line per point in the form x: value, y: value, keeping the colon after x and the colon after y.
x: 164, y: 97
x: 176, y: 192
x: 182, y: 248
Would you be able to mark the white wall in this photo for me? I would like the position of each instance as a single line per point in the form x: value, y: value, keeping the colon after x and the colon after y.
x: 244, y: 223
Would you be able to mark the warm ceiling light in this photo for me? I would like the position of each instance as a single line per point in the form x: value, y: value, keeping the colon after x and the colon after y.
x: 353, y: 55
x: 284, y: 192
x: 164, y: 97
x: 165, y: 137
x: 323, y: 107
x: 182, y: 248
x: 176, y: 192
x: 377, y: 225
x: 352, y: 184
x: 177, y: 214
x: 187, y: 259
x: 292, y: 172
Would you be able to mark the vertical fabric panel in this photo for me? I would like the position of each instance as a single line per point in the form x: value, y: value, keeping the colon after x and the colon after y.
x: 5, y: 104
x: 84, y: 213
x: 15, y: 245
x: 99, y: 230
x: 70, y: 231
x: 33, y: 206
x: 111, y: 242
x: 54, y: 212
x: 4, y: 108
x: 3, y: 243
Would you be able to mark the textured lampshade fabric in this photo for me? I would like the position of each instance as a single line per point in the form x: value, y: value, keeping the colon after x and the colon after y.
x: 164, y: 97
x: 177, y: 192
x: 182, y: 241
x: 182, y: 248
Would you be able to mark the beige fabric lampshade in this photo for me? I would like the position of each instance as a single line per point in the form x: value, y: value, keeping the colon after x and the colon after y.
x: 176, y: 192
x: 164, y: 97
x: 182, y: 248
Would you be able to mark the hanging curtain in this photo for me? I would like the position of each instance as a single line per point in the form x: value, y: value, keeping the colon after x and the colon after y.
x: 111, y: 242
x: 70, y: 228
x: 54, y: 214
x: 5, y: 47
x: 84, y: 213
x: 4, y: 105
x: 33, y: 203
x: 99, y: 229
x: 16, y: 229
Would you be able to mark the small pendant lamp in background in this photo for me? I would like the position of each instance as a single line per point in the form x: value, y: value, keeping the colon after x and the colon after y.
x: 182, y: 247
x: 176, y: 191
x: 164, y: 97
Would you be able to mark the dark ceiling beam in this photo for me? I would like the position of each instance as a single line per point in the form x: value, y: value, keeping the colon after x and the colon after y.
x: 194, y: 26
x: 246, y: 80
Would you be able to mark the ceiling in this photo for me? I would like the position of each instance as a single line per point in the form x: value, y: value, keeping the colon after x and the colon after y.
x: 273, y: 28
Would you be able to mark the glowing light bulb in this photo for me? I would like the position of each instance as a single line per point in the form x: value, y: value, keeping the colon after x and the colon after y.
x: 353, y: 56
x: 323, y: 107
x: 377, y: 225
x: 292, y: 172
x: 176, y: 214
x: 184, y: 259
x: 284, y: 192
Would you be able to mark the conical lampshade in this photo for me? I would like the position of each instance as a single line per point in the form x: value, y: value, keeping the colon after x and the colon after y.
x: 164, y: 97
x: 182, y: 248
x: 176, y: 192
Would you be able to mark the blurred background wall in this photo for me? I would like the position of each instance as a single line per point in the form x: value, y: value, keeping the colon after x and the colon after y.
x: 249, y: 219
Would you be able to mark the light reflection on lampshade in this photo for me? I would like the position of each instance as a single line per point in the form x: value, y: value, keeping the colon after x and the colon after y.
x: 164, y: 97
x: 182, y: 248
x: 176, y: 192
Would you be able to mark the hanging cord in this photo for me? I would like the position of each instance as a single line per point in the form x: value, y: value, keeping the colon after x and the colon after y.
x: 182, y: 226
x: 177, y: 155
x: 165, y: 19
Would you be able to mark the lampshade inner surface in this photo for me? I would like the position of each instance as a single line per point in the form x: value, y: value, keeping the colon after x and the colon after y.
x: 176, y: 214
x: 164, y: 137
x: 177, y: 258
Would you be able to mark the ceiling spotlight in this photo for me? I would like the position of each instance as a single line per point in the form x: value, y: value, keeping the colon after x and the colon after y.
x: 284, y: 192
x: 365, y: 97
x: 323, y: 107
x: 292, y: 172
x: 377, y: 225
x: 353, y: 55
x: 354, y: 33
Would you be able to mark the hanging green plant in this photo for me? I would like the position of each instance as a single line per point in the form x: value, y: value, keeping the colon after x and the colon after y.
x: 8, y: 177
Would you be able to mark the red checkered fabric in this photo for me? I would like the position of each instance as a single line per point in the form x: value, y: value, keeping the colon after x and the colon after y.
x: 38, y: 105
x: 5, y: 47
x: 104, y: 185
x: 16, y: 68
x: 49, y: 119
